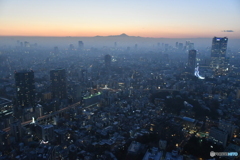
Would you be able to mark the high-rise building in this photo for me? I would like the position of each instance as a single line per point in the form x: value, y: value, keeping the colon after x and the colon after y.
x: 84, y: 75
x: 56, y: 51
x: 59, y: 84
x: 191, y: 46
x: 176, y: 45
x: 180, y: 46
x: 218, y: 55
x: 26, y: 44
x: 136, y: 46
x: 71, y: 47
x: 16, y: 130
x: 3, y: 140
x: 108, y: 60
x: 219, y: 136
x: 80, y: 44
x: 227, y: 127
x: 192, y: 60
x: 45, y: 132
x: 187, y: 46
x: 166, y: 47
x: 25, y: 87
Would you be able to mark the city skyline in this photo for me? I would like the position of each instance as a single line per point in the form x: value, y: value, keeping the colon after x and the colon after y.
x: 171, y: 19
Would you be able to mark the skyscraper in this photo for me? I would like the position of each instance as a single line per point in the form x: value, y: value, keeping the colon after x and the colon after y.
x: 16, y: 130
x: 108, y: 60
x: 180, y: 46
x: 192, y: 60
x: 187, y: 45
x: 191, y: 46
x: 56, y: 51
x: 71, y: 47
x: 26, y: 44
x: 218, y: 135
x: 136, y: 46
x: 80, y: 44
x: 218, y: 55
x: 25, y: 87
x: 59, y: 84
x: 84, y: 75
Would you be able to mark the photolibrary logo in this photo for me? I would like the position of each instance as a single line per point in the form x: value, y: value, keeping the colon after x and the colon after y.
x: 212, y: 154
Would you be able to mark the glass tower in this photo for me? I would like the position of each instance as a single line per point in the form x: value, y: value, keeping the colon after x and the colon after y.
x: 25, y: 86
x: 59, y: 84
x: 218, y: 55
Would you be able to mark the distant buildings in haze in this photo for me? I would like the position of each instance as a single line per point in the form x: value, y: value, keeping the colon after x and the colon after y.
x: 80, y: 44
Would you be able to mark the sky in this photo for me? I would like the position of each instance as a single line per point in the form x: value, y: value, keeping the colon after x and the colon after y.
x: 152, y: 18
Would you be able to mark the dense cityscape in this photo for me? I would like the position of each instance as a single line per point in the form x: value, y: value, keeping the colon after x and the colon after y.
x: 167, y: 101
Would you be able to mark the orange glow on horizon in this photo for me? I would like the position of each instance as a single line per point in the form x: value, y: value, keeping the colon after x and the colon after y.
x: 163, y: 32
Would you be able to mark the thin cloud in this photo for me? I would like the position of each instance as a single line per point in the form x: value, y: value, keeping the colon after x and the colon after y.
x: 227, y: 31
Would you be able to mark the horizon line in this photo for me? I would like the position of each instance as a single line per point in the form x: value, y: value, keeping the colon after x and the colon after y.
x: 107, y: 36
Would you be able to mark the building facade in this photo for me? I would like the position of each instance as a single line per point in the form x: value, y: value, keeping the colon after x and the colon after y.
x: 25, y: 88
x: 108, y: 60
x: 192, y: 60
x: 58, y: 83
x: 219, y: 60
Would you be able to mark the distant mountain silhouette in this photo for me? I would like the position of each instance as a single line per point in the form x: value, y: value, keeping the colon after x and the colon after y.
x: 121, y: 35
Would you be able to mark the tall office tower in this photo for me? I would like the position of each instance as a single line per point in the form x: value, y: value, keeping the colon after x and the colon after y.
x: 84, y: 75
x: 176, y: 44
x: 115, y: 44
x: 71, y: 47
x: 16, y: 130
x: 3, y: 140
x: 187, y: 45
x: 80, y: 45
x: 25, y: 87
x: 219, y: 136
x: 191, y: 46
x: 192, y: 60
x: 108, y: 60
x: 59, y: 84
x: 26, y: 44
x: 180, y: 46
x: 136, y: 46
x: 56, y: 51
x: 218, y: 55
x: 166, y: 47
x: 227, y: 127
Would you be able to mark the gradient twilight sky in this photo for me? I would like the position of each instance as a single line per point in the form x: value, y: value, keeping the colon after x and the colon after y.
x: 152, y: 18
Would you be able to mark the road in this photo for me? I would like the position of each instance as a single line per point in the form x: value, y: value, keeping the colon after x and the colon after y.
x: 45, y: 116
